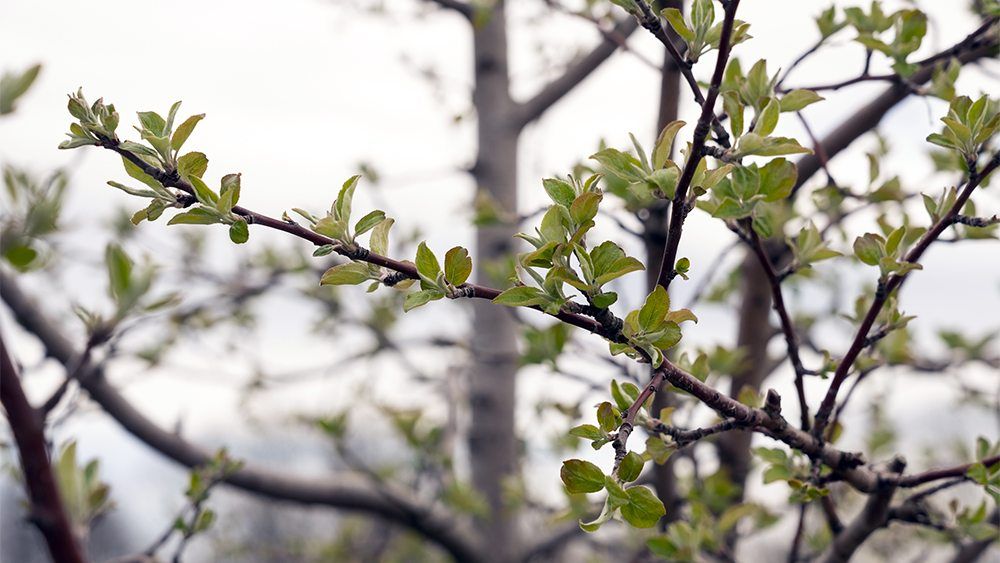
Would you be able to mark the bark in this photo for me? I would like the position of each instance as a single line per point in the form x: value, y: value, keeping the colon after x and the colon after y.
x: 493, y: 447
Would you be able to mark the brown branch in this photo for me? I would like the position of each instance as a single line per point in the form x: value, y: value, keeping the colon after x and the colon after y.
x: 679, y: 205
x: 349, y: 492
x: 46, y: 507
x: 944, y: 472
x: 787, y: 328
x: 532, y: 109
x: 886, y: 288
x: 684, y: 437
x: 407, y: 269
x: 873, y: 516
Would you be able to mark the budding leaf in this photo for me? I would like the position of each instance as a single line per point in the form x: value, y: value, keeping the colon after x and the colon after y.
x: 238, y: 232
x: 457, y: 266
x: 351, y: 273
x: 581, y: 476
x: 643, y: 510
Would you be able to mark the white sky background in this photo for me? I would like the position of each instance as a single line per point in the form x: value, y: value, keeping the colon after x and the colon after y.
x: 298, y: 92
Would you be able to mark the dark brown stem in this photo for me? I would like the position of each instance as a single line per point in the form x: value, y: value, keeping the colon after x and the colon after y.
x: 787, y: 328
x: 47, y: 510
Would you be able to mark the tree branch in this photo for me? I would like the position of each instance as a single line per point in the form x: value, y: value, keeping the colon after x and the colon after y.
x: 679, y: 205
x: 972, y: 48
x: 46, y: 507
x: 787, y: 328
x: 651, y: 22
x: 873, y: 516
x: 532, y: 109
x: 885, y: 290
x: 348, y: 492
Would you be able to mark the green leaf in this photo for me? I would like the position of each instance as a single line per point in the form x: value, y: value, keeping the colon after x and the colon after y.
x: 767, y: 120
x: 584, y: 207
x: 192, y: 164
x: 796, y: 100
x: 324, y: 250
x: 608, y: 418
x: 457, y: 266
x: 521, y: 295
x: 229, y: 193
x: 643, y: 510
x: 630, y: 467
x: 152, y: 122
x: 137, y: 173
x: 202, y: 192
x: 560, y: 191
x: 379, y: 241
x: 654, y: 309
x: 581, y: 476
x: 619, y: 268
x: 777, y: 178
x: 119, y: 270
x: 420, y: 298
x: 351, y: 273
x: 14, y: 85
x: 676, y: 20
x: 869, y: 248
x: 665, y: 142
x: 196, y: 216
x: 620, y: 164
x: 368, y: 222
x: 345, y: 197
x: 427, y: 265
x: 184, y: 131
x: 587, y: 432
x: 238, y: 231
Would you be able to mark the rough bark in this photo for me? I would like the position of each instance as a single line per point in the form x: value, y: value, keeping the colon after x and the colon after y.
x: 493, y: 448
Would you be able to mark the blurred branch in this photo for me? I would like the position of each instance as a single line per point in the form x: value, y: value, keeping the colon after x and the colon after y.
x: 26, y: 424
x: 348, y: 491
x: 532, y: 109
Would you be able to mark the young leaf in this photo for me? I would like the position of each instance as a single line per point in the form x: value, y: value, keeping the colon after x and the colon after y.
x: 368, y: 222
x: 643, y: 510
x: 420, y: 298
x: 521, y: 295
x: 184, y: 131
x: 238, y: 232
x: 351, y: 273
x: 427, y: 264
x: 457, y: 266
x: 581, y: 476
x: 630, y: 467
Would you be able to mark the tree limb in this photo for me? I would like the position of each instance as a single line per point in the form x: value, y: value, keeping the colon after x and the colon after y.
x: 47, y: 511
x: 532, y: 109
x: 348, y: 492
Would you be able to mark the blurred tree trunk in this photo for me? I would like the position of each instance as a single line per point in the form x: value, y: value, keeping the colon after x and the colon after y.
x: 492, y: 437
x: 654, y: 236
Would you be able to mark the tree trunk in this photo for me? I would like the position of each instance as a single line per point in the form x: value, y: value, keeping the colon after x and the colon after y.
x: 493, y: 445
x: 754, y: 333
x: 654, y: 236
